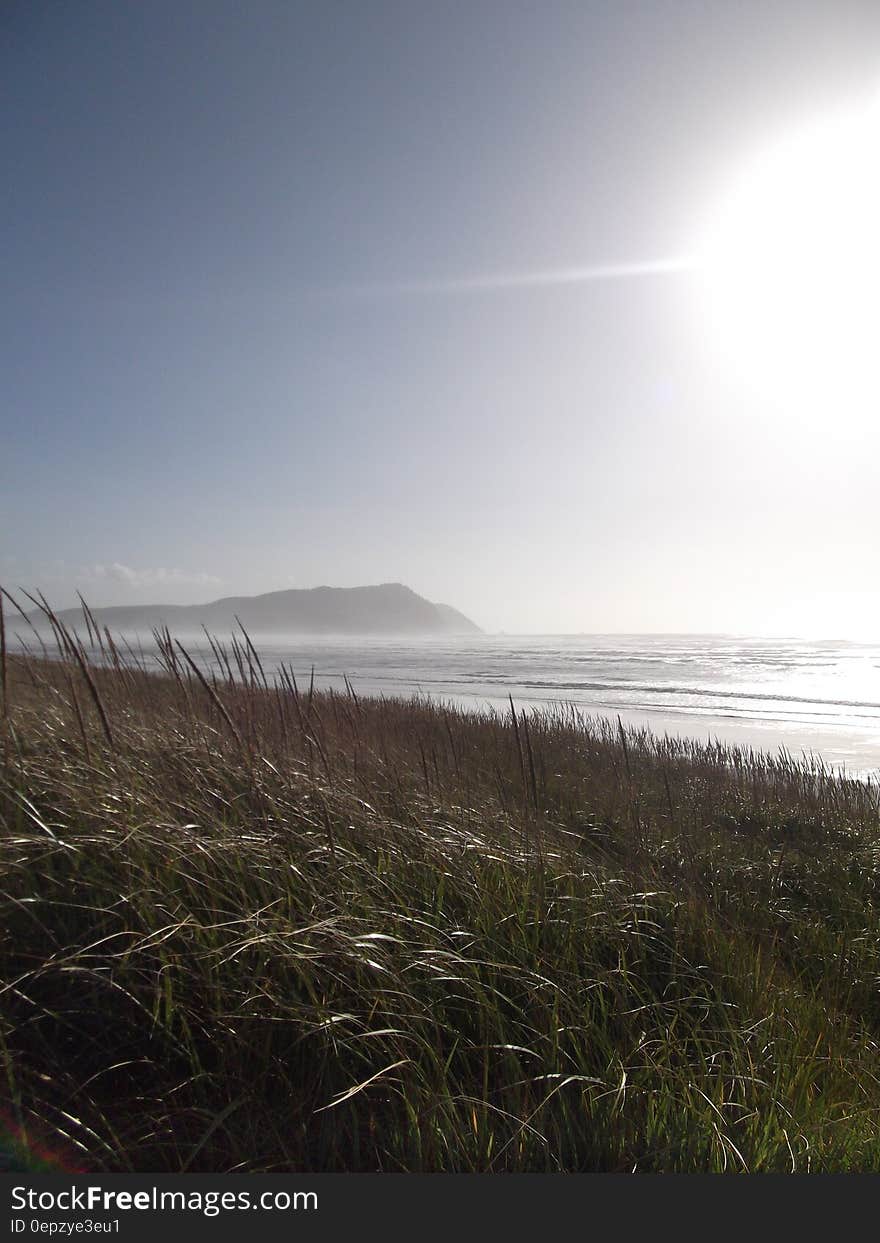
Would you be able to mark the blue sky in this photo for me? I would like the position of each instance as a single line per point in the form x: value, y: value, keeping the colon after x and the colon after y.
x: 258, y: 328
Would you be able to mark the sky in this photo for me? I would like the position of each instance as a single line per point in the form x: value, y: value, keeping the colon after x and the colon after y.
x: 346, y: 293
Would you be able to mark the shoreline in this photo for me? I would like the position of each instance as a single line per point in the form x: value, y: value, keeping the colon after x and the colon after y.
x: 853, y: 751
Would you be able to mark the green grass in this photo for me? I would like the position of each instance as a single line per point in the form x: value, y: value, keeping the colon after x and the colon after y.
x: 249, y: 927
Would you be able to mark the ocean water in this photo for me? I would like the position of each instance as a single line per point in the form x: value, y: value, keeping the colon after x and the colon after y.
x: 812, y: 697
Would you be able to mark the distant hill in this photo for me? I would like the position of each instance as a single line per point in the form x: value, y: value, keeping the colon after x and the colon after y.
x: 389, y: 609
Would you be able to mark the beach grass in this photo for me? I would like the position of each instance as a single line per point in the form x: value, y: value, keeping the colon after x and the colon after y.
x: 247, y: 926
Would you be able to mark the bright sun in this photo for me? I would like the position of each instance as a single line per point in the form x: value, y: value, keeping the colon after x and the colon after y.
x: 790, y: 266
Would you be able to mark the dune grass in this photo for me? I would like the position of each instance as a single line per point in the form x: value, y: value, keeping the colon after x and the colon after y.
x: 248, y: 926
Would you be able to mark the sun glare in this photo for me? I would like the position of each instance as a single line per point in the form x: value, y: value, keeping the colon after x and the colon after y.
x: 790, y: 265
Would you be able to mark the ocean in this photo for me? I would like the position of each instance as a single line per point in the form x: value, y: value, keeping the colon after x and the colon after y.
x: 814, y: 698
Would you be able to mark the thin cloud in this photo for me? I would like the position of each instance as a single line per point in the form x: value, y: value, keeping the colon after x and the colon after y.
x: 490, y: 282
x: 158, y: 577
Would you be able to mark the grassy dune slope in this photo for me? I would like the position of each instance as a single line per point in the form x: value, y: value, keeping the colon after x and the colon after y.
x: 246, y: 927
